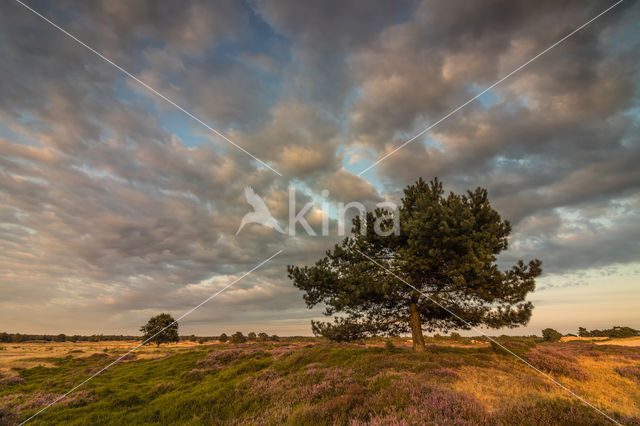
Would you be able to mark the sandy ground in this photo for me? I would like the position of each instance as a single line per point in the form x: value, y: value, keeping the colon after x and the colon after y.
x: 585, y: 339
x: 627, y: 341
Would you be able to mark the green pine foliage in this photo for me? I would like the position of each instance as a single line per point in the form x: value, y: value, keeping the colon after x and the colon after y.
x: 445, y: 250
x: 551, y: 335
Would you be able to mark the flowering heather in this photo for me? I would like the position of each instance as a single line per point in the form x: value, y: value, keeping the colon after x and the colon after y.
x: 281, y: 351
x: 325, y: 383
x: 11, y: 380
x: 444, y: 373
x: 219, y: 359
x: 630, y: 372
x: 556, y: 363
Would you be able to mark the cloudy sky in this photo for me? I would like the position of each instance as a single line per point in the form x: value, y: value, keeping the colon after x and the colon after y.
x: 116, y: 205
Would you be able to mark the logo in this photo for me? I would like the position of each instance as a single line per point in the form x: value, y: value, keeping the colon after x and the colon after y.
x: 386, y: 211
x: 260, y: 214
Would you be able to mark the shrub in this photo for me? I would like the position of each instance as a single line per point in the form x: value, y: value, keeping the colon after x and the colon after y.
x: 202, y: 340
x: 252, y: 336
x: 223, y: 338
x: 341, y: 331
x: 551, y: 335
x: 238, y: 337
x: 263, y: 337
x: 506, y: 345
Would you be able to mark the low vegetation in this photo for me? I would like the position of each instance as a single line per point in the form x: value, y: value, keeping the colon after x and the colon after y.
x: 456, y: 380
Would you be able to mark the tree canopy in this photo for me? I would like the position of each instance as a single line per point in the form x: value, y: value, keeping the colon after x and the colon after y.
x: 160, y: 329
x: 438, y: 272
x: 551, y: 335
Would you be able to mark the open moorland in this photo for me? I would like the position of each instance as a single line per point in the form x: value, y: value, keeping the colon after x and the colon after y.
x: 312, y: 381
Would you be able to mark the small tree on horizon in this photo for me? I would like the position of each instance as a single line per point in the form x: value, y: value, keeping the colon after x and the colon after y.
x: 160, y: 329
x: 238, y: 337
x: 252, y: 336
x: 446, y: 249
x: 551, y: 335
x: 223, y: 338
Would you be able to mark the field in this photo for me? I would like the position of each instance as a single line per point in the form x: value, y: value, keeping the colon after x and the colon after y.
x: 317, y: 382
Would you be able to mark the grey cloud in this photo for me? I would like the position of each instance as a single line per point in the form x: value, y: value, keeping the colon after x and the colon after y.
x: 108, y: 212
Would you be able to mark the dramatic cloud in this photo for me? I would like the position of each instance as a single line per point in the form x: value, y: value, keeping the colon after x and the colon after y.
x: 115, y: 205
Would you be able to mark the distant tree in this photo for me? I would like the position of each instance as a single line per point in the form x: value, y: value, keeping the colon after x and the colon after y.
x: 617, y: 331
x: 193, y: 338
x: 582, y: 332
x: 60, y: 338
x: 238, y: 337
x: 160, y: 329
x: 275, y: 338
x: 202, y: 340
x: 263, y: 337
x: 446, y: 251
x: 251, y: 336
x: 551, y: 335
x: 455, y: 336
x: 223, y: 338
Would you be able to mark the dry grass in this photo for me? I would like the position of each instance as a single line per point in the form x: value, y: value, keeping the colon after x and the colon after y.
x: 605, y: 387
x: 498, y: 386
x: 29, y: 355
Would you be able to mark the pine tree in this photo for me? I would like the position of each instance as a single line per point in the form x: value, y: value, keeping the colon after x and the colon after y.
x: 445, y: 257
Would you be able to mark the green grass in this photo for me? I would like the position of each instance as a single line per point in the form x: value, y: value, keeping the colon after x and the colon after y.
x: 318, y: 383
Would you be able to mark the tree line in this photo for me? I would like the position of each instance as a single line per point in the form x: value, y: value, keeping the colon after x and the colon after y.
x: 21, y: 337
x: 551, y: 335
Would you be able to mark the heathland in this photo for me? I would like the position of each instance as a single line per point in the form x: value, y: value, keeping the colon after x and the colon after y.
x: 313, y: 381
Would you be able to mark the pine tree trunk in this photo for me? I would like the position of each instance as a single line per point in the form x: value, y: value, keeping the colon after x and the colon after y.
x: 416, y: 328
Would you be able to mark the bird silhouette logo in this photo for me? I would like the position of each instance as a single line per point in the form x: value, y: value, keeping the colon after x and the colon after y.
x: 261, y: 214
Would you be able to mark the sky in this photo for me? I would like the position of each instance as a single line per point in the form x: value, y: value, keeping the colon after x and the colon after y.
x: 116, y: 204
